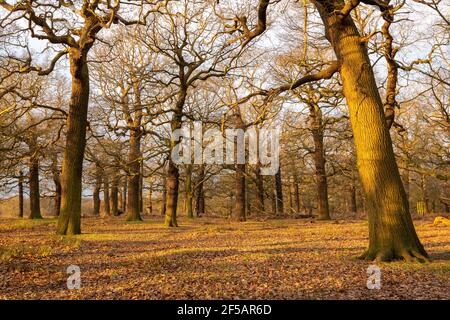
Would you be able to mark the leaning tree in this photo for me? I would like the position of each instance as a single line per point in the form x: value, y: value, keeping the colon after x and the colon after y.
x: 391, y: 230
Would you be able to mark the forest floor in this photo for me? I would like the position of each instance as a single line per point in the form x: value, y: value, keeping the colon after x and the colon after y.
x: 211, y: 258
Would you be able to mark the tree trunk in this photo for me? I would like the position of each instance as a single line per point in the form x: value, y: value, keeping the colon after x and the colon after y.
x: 134, y: 179
x: 106, y: 199
x: 391, y: 230
x: 189, y: 195
x: 353, y: 208
x: 323, y: 209
x: 296, y: 193
x: 96, y: 193
x: 124, y: 194
x: 141, y: 188
x: 57, y: 181
x: 164, y: 196
x: 20, y: 194
x: 69, y: 221
x: 173, y: 173
x: 199, y: 193
x: 150, y: 200
x: 172, y: 195
x: 35, y: 206
x: 239, y: 203
x: 240, y: 199
x: 115, y: 196
x: 279, y: 194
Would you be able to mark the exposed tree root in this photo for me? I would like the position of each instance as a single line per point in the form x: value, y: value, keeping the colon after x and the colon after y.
x: 407, y: 255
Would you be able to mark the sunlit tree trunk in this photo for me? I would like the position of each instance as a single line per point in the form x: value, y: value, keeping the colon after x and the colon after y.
x: 173, y: 173
x: 133, y: 205
x: 69, y: 221
x: 391, y: 230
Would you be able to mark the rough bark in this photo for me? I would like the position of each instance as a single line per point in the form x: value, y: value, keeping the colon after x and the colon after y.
x: 69, y: 221
x: 171, y: 195
x: 391, y: 230
x: 173, y: 173
x: 134, y: 204
x: 317, y: 129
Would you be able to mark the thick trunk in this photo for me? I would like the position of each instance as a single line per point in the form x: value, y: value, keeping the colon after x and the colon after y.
x: 188, y: 190
x: 134, y: 179
x: 323, y: 210
x: 279, y: 194
x: 239, y: 203
x: 240, y: 197
x: 20, y: 194
x: 173, y: 173
x: 171, y: 195
x: 391, y: 230
x: 69, y: 221
x: 115, y: 196
x: 35, y: 206
x: 106, y: 198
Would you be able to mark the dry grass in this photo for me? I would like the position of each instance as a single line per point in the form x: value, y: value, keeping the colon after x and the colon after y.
x: 212, y: 259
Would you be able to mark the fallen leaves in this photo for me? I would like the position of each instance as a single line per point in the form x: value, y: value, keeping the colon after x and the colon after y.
x: 212, y: 259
